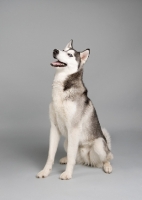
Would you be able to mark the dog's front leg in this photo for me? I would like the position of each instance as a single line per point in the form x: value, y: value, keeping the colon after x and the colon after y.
x: 53, y: 144
x: 73, y: 141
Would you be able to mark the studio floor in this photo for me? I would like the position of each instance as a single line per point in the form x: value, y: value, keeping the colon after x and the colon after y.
x: 23, y: 155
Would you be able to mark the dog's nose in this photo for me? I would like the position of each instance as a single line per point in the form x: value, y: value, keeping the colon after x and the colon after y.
x: 55, y: 52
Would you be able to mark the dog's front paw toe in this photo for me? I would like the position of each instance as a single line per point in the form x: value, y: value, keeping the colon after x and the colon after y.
x: 107, y: 168
x: 43, y: 173
x: 65, y: 176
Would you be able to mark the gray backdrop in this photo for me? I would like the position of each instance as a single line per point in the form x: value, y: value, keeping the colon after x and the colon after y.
x: 29, y: 31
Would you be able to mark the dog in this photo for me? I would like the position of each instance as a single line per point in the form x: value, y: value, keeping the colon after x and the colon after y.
x: 73, y: 115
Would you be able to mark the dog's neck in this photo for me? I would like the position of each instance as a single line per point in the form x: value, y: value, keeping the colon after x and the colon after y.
x: 68, y: 81
x: 62, y: 75
x: 74, y: 80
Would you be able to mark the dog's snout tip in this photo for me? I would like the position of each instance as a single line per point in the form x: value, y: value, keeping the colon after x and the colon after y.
x: 55, y: 51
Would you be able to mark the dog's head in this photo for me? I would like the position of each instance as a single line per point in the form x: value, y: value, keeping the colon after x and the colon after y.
x: 69, y: 59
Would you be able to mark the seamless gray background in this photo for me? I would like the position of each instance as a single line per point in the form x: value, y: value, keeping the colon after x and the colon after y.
x: 29, y: 31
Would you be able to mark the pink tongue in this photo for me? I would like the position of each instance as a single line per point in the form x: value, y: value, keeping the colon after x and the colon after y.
x: 57, y: 63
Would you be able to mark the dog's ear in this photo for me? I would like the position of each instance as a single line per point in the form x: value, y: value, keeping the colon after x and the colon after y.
x: 69, y: 45
x: 84, y: 55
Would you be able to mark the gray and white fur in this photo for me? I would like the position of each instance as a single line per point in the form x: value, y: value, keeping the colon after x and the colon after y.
x: 73, y: 115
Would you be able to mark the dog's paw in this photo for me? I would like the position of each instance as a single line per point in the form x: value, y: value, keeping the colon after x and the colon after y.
x: 65, y: 176
x: 63, y: 160
x: 43, y: 173
x: 107, y: 168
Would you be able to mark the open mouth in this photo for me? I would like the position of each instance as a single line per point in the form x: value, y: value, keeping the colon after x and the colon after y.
x: 58, y: 64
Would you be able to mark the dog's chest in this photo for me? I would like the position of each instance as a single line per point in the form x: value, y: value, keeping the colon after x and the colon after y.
x: 60, y: 109
x: 64, y: 109
x: 58, y: 99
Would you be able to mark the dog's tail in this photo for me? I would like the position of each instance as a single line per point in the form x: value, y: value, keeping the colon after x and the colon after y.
x: 107, y: 136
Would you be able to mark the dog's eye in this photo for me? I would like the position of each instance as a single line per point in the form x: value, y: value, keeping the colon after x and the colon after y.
x: 70, y: 55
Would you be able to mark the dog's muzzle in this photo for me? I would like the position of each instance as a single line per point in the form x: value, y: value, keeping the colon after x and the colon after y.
x: 55, y: 52
x: 57, y: 63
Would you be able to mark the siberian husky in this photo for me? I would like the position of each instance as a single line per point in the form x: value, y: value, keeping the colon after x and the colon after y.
x: 73, y: 115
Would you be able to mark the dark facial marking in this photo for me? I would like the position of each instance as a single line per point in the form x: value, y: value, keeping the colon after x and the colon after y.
x: 77, y: 57
x: 70, y: 55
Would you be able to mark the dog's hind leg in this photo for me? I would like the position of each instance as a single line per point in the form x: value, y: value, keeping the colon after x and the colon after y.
x: 100, y: 148
x: 63, y: 160
x: 107, y: 167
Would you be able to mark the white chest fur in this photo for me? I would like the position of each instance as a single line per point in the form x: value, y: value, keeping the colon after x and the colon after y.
x: 64, y: 109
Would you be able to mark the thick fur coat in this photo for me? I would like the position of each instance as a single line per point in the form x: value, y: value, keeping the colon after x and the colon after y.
x: 73, y: 115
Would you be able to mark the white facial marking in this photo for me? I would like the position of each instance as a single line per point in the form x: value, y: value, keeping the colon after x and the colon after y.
x: 67, y: 63
x: 70, y: 60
